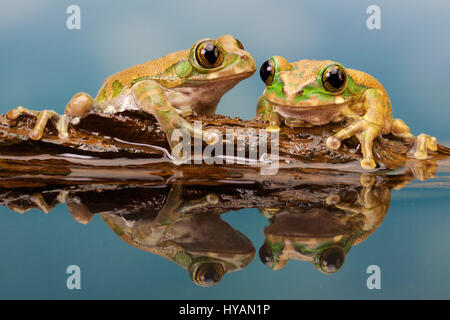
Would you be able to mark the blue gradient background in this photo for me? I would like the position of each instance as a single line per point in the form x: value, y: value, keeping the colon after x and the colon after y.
x: 42, y: 64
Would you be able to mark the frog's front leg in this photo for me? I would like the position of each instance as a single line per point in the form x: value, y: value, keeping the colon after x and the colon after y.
x: 367, y: 128
x: 42, y: 118
x: 150, y: 98
x: 266, y: 113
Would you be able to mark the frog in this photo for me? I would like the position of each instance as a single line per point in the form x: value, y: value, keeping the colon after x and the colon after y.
x: 333, y: 219
x: 318, y: 92
x: 170, y: 88
x: 187, y: 233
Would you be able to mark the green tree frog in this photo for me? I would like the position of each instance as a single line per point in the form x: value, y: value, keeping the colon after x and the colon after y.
x: 312, y: 93
x: 169, y: 88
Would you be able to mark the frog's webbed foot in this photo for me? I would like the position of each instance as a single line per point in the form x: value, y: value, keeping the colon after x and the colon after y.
x: 42, y: 118
x: 366, y: 133
x: 424, y: 143
x: 150, y: 98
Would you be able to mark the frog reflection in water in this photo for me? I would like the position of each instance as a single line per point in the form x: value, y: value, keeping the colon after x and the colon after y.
x: 169, y: 88
x: 313, y: 93
x: 315, y: 216
x: 324, y: 234
x: 200, y: 242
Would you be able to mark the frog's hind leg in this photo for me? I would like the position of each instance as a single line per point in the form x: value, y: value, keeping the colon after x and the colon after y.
x: 42, y: 118
x: 424, y: 141
x: 150, y: 98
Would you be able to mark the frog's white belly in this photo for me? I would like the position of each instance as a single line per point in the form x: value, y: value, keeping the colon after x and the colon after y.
x: 202, y: 99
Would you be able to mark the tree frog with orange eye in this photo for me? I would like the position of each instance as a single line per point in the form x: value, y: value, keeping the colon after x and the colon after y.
x: 169, y: 88
x: 312, y: 93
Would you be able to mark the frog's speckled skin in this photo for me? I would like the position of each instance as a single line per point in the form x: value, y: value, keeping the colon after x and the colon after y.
x: 183, y: 236
x: 298, y: 96
x: 168, y: 88
x: 311, y: 232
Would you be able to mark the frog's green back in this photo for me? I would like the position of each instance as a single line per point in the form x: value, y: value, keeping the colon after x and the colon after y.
x: 116, y: 83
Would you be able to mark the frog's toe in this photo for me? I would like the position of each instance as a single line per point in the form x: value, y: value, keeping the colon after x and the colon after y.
x: 367, y: 180
x: 211, y: 137
x: 368, y: 164
x: 16, y: 112
x: 333, y: 199
x: 13, y: 114
x: 79, y: 105
x: 36, y: 134
x: 333, y: 143
x: 432, y: 144
x: 424, y: 143
x: 269, y: 212
x: 212, y: 199
x: 79, y: 211
x: 273, y: 129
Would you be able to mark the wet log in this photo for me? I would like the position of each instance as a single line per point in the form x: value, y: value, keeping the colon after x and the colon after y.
x: 131, y: 146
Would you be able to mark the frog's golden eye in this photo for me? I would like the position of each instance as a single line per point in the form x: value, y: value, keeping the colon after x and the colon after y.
x: 209, y: 54
x: 331, y: 259
x: 267, y: 72
x: 334, y: 78
x: 208, y: 274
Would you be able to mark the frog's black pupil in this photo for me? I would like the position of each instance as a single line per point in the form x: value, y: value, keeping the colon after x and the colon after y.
x: 335, y: 77
x: 211, y: 53
x: 332, y: 259
x: 265, y: 254
x: 265, y: 71
x: 240, y: 45
x: 208, y: 274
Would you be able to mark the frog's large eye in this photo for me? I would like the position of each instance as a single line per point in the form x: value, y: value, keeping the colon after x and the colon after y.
x: 334, y: 78
x: 208, y: 274
x: 266, y: 255
x: 209, y: 54
x: 267, y: 72
x: 331, y: 259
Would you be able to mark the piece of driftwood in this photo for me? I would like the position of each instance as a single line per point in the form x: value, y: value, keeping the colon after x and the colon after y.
x: 131, y: 146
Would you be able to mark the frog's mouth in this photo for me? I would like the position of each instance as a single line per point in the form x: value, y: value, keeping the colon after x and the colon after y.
x: 316, y: 115
x: 309, y: 105
x: 232, y: 78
